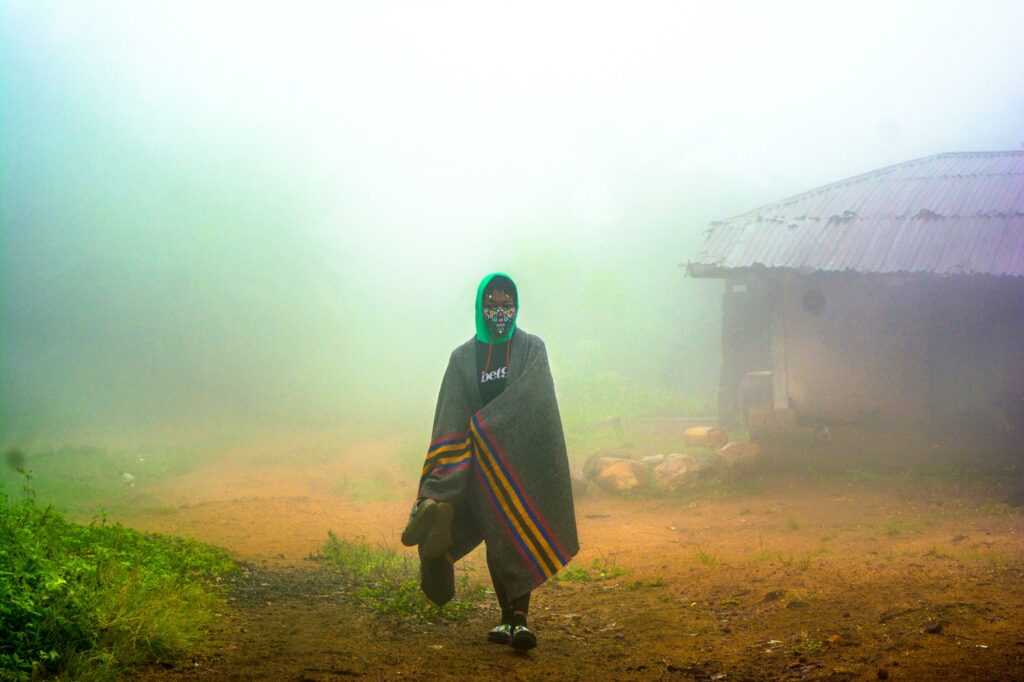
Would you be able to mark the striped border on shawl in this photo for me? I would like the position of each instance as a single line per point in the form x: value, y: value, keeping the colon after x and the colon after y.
x: 513, y: 477
x: 528, y: 559
x: 447, y: 454
x: 522, y: 520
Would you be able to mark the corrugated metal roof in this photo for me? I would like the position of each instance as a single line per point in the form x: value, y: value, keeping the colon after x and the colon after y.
x: 960, y: 213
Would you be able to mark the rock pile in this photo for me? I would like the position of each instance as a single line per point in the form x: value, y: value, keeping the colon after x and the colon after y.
x: 616, y: 472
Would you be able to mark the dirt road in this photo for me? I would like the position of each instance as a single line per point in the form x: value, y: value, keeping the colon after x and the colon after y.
x: 847, y: 576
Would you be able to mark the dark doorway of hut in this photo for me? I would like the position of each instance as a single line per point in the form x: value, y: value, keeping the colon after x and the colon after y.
x: 745, y: 350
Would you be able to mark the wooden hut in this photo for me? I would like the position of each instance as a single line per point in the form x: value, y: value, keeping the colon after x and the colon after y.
x: 895, y: 297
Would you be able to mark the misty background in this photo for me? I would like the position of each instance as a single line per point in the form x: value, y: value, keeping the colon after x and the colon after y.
x: 222, y: 221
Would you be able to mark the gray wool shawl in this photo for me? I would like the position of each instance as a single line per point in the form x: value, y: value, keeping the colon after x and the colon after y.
x: 504, y: 468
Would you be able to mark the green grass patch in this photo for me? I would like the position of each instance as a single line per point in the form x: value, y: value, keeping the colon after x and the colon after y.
x: 91, y: 602
x: 601, y: 568
x: 388, y: 583
x: 575, y: 574
x: 84, y: 480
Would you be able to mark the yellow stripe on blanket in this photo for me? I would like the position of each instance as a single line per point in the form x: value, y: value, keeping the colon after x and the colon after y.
x: 526, y: 542
x: 510, y: 500
x: 445, y: 461
x: 454, y: 447
x: 456, y: 452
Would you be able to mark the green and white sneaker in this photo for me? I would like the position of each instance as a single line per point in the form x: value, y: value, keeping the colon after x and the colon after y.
x: 501, y: 634
x: 522, y: 638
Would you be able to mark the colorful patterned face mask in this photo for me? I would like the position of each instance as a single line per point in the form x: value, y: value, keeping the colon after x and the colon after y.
x: 499, y: 319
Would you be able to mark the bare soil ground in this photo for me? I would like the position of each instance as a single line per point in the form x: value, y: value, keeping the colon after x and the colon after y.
x: 851, y: 575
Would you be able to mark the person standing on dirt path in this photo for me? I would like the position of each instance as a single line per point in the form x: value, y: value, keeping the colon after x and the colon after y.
x: 496, y: 470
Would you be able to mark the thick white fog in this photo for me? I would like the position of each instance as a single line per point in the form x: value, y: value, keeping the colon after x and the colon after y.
x: 219, y: 217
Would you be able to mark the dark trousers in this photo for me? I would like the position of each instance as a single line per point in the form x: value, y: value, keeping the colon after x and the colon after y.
x: 508, y: 606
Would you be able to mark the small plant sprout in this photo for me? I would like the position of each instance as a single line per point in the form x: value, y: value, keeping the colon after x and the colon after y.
x: 605, y: 568
x: 706, y: 559
x: 601, y: 568
x: 647, y: 584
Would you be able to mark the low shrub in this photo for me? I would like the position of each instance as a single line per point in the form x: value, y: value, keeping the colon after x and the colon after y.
x: 389, y: 583
x: 92, y: 601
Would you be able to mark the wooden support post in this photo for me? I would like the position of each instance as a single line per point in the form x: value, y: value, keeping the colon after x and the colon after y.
x: 777, y: 330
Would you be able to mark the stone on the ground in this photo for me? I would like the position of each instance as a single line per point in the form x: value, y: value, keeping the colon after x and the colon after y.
x: 619, y: 474
x: 736, y: 459
x: 678, y: 471
x: 590, y: 465
x: 706, y: 436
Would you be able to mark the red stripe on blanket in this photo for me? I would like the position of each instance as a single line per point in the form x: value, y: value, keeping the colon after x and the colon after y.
x: 528, y: 561
x: 454, y: 437
x: 497, y: 449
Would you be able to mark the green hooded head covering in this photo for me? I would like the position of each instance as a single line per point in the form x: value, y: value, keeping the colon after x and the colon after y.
x: 483, y: 332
